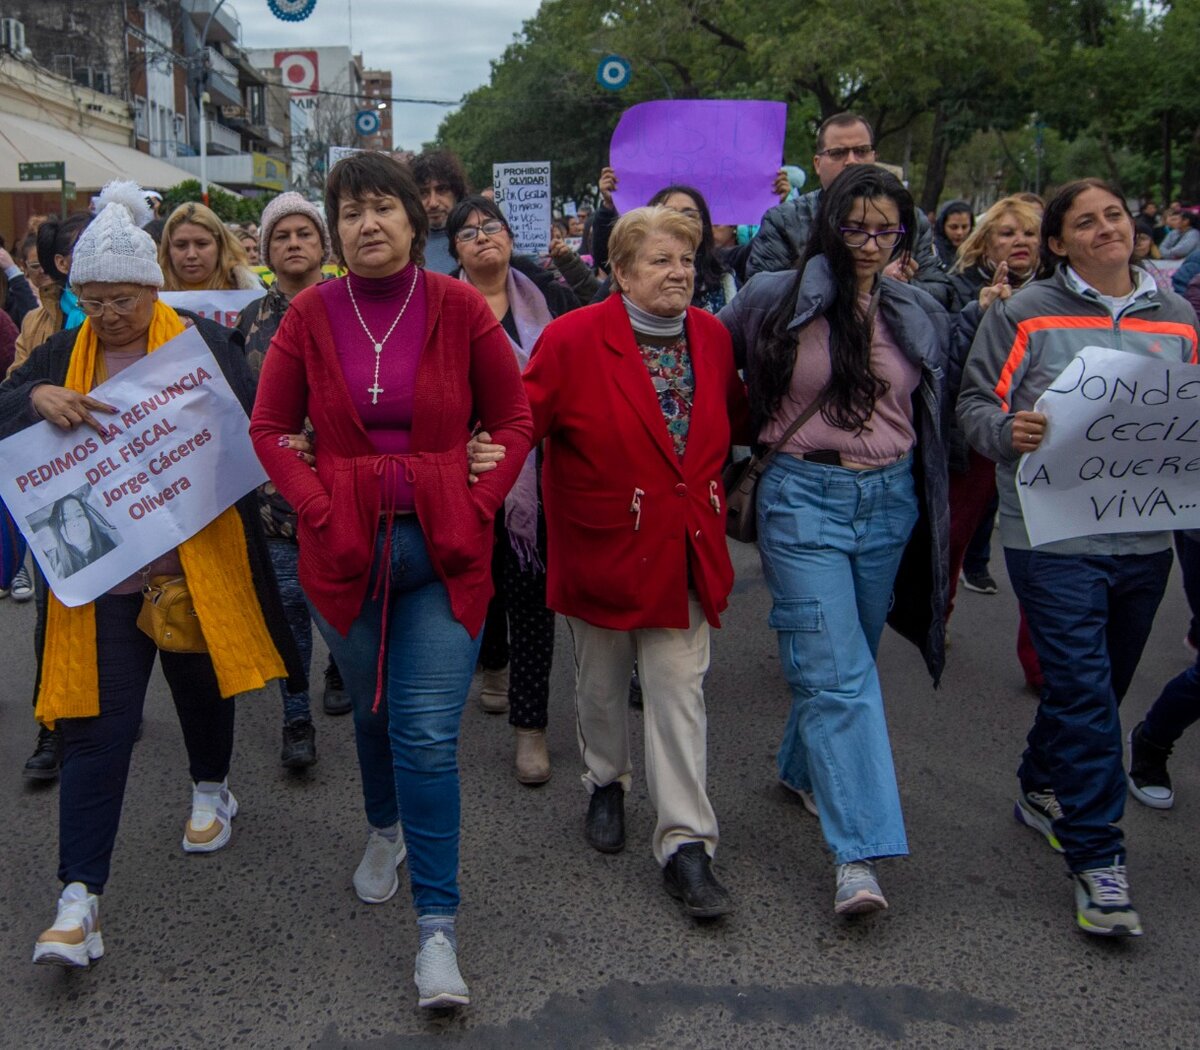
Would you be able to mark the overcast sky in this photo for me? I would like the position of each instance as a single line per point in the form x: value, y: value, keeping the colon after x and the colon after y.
x: 434, y: 48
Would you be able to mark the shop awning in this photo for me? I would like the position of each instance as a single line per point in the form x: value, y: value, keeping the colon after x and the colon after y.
x: 90, y: 162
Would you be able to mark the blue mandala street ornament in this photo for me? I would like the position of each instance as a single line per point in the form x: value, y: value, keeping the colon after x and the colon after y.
x: 366, y: 122
x: 291, y: 10
x: 613, y: 72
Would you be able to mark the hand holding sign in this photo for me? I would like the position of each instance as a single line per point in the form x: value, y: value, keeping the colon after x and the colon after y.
x: 782, y: 186
x: 1029, y: 428
x: 68, y: 408
x: 608, y: 186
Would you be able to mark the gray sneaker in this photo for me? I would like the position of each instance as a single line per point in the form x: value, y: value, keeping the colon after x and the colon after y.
x: 439, y: 984
x: 1102, y: 905
x: 1039, y: 810
x: 375, y: 878
x: 858, y: 890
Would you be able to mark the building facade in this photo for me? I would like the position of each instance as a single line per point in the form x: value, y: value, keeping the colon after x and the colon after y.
x: 377, y: 93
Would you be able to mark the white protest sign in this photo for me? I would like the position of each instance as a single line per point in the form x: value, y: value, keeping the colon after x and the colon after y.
x: 220, y: 306
x: 96, y: 509
x: 1166, y: 267
x: 337, y: 153
x: 523, y: 194
x: 1121, y: 452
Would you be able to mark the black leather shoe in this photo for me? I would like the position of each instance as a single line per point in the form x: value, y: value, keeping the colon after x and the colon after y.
x: 46, y: 759
x: 299, y: 744
x: 605, y: 825
x: 688, y: 878
x: 337, y: 700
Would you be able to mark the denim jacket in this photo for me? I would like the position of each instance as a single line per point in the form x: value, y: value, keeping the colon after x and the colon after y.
x: 924, y: 331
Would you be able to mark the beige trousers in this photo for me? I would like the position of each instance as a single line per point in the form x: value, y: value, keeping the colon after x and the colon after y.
x: 671, y: 665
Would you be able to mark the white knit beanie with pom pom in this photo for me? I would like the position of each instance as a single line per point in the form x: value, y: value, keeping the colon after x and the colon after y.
x: 114, y: 248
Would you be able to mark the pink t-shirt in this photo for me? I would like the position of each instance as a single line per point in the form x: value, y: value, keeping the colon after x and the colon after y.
x: 889, y: 433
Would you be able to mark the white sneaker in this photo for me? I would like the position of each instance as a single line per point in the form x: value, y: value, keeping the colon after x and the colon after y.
x: 375, y: 878
x: 74, y: 940
x: 439, y: 984
x: 211, y: 822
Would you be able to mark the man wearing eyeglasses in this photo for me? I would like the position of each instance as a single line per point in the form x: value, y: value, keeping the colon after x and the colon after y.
x: 843, y: 139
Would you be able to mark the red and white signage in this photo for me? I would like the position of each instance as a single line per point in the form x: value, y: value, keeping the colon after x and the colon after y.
x: 300, y: 72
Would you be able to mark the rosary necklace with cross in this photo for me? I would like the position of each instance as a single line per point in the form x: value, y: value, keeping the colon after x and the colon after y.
x: 375, y: 389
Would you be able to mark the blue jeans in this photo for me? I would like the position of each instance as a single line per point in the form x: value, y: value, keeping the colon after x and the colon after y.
x: 285, y: 557
x: 408, y: 749
x: 831, y: 540
x: 1089, y: 617
x: 1178, y: 706
x: 1188, y: 550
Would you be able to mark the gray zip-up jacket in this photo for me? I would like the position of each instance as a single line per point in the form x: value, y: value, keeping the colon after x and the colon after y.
x: 1023, y: 344
x: 924, y: 331
x: 784, y: 233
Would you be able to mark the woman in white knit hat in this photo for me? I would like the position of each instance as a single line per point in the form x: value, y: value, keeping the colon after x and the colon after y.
x: 95, y: 662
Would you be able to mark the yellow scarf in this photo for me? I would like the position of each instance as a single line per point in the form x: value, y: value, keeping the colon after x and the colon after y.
x: 215, y: 562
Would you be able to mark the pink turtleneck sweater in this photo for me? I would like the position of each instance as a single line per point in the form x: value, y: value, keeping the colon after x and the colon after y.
x: 388, y: 420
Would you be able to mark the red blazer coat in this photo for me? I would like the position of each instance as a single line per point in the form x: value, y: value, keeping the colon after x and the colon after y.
x: 467, y: 374
x: 607, y: 454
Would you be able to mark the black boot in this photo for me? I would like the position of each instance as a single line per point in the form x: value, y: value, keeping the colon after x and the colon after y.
x: 46, y: 759
x: 299, y: 744
x: 337, y: 700
x: 688, y: 878
x: 605, y: 825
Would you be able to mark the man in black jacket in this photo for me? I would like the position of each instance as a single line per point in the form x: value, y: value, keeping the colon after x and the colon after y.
x: 843, y: 139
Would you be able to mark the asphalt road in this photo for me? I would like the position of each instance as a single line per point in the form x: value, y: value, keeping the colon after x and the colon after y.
x: 265, y: 944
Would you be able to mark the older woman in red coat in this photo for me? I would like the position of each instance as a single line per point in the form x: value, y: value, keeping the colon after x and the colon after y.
x: 634, y: 397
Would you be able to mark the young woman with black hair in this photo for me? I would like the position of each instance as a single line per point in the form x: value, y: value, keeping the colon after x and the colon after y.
x: 856, y: 496
x: 58, y: 311
x: 716, y: 270
x: 55, y: 241
x: 716, y: 284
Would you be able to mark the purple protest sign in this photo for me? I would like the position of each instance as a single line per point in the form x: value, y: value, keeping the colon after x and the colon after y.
x: 728, y: 149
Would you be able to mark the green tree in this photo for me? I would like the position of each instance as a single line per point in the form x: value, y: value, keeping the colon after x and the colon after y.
x: 1111, y: 84
x: 228, y: 207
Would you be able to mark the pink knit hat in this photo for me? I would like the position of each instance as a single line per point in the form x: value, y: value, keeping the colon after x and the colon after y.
x: 280, y: 208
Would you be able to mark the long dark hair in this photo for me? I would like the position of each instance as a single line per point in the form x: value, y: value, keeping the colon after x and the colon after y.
x: 853, y: 386
x: 58, y: 237
x: 70, y: 558
x: 1056, y: 213
x: 709, y: 270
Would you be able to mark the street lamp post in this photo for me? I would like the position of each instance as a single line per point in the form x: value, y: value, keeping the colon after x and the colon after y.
x: 202, y: 98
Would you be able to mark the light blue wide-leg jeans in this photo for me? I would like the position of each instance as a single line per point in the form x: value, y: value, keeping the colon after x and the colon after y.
x: 831, y: 540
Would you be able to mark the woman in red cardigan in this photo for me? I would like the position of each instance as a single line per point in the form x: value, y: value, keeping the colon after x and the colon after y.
x: 634, y: 398
x: 394, y: 366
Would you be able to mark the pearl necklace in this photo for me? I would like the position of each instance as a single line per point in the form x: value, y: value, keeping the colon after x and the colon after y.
x: 375, y: 389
